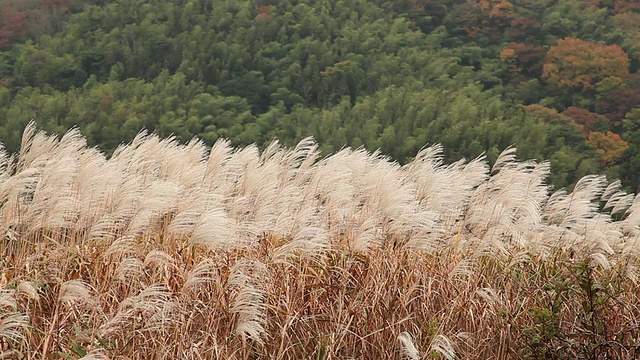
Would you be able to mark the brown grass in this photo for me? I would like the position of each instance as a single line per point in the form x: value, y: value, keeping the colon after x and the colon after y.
x: 169, y: 251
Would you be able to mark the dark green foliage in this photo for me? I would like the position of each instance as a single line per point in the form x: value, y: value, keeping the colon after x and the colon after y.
x: 394, y: 75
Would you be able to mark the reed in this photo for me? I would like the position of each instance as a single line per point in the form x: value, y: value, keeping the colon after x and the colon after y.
x: 172, y: 251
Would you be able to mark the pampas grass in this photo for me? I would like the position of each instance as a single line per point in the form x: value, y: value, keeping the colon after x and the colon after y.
x: 171, y: 251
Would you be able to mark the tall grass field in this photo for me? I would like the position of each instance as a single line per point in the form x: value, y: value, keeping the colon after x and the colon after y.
x: 171, y: 251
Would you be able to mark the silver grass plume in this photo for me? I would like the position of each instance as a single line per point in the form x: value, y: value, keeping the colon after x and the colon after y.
x: 409, y: 350
x: 443, y: 346
x: 159, y: 198
x: 149, y: 302
x: 8, y: 300
x: 95, y: 355
x: 12, y: 323
x: 131, y: 271
x: 200, y: 275
x: 29, y: 289
x: 74, y: 291
x: 12, y: 326
x: 307, y: 242
x: 248, y: 302
x: 217, y: 231
x: 444, y: 189
x: 509, y: 204
x: 161, y: 263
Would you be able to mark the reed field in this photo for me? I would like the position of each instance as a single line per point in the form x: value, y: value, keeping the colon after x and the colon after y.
x: 172, y: 251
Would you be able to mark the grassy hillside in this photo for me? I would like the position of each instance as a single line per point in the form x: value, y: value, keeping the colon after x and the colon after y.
x: 169, y: 251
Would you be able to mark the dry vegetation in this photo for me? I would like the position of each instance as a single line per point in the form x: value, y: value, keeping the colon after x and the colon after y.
x: 169, y: 251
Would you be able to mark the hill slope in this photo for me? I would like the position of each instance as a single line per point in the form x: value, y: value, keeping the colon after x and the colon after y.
x: 476, y: 76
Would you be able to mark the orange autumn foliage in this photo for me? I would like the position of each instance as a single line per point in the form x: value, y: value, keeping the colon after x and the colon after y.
x: 609, y: 145
x: 579, y: 65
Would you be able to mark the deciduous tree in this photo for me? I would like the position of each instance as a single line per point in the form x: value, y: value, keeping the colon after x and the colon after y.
x: 587, y: 120
x: 609, y: 145
x: 12, y: 24
x: 574, y: 64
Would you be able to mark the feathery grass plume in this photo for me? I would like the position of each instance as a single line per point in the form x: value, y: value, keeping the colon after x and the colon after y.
x: 158, y: 259
x: 201, y: 274
x: 264, y: 191
x: 158, y: 198
x: 164, y: 320
x: 148, y: 302
x: 223, y: 171
x: 631, y: 224
x: 464, y: 269
x: 301, y: 161
x: 444, y: 189
x: 35, y: 147
x: 332, y: 193
x: 130, y: 271
x: 409, y: 350
x: 612, y: 189
x: 102, y: 230
x: 490, y: 296
x: 366, y: 236
x: 95, y: 355
x: 162, y: 265
x: 8, y: 300
x: 248, y: 301
x: 54, y: 204
x: 509, y: 204
x: 5, y: 160
x: 28, y: 288
x: 243, y: 162
x: 12, y: 326
x: 619, y: 202
x: 291, y: 212
x: 520, y: 258
x: 506, y: 159
x: 566, y: 209
x: 443, y: 346
x: 186, y: 164
x: 308, y: 242
x: 630, y: 271
x: 186, y: 218
x: 478, y: 239
x: 380, y: 185
x: 122, y: 246
x: 124, y: 203
x: 96, y: 184
x: 216, y: 231
x: 379, y: 194
x: 616, y: 199
x: 426, y: 230
x: 218, y: 156
x: 151, y: 299
x: 122, y: 318
x: 74, y: 291
x: 12, y: 323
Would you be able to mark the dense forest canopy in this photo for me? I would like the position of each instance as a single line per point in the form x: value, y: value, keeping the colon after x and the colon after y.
x: 559, y: 79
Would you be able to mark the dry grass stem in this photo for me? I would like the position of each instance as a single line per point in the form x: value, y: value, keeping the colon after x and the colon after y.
x: 172, y: 251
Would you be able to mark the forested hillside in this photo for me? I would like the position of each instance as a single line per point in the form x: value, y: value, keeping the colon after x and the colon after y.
x: 559, y: 79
